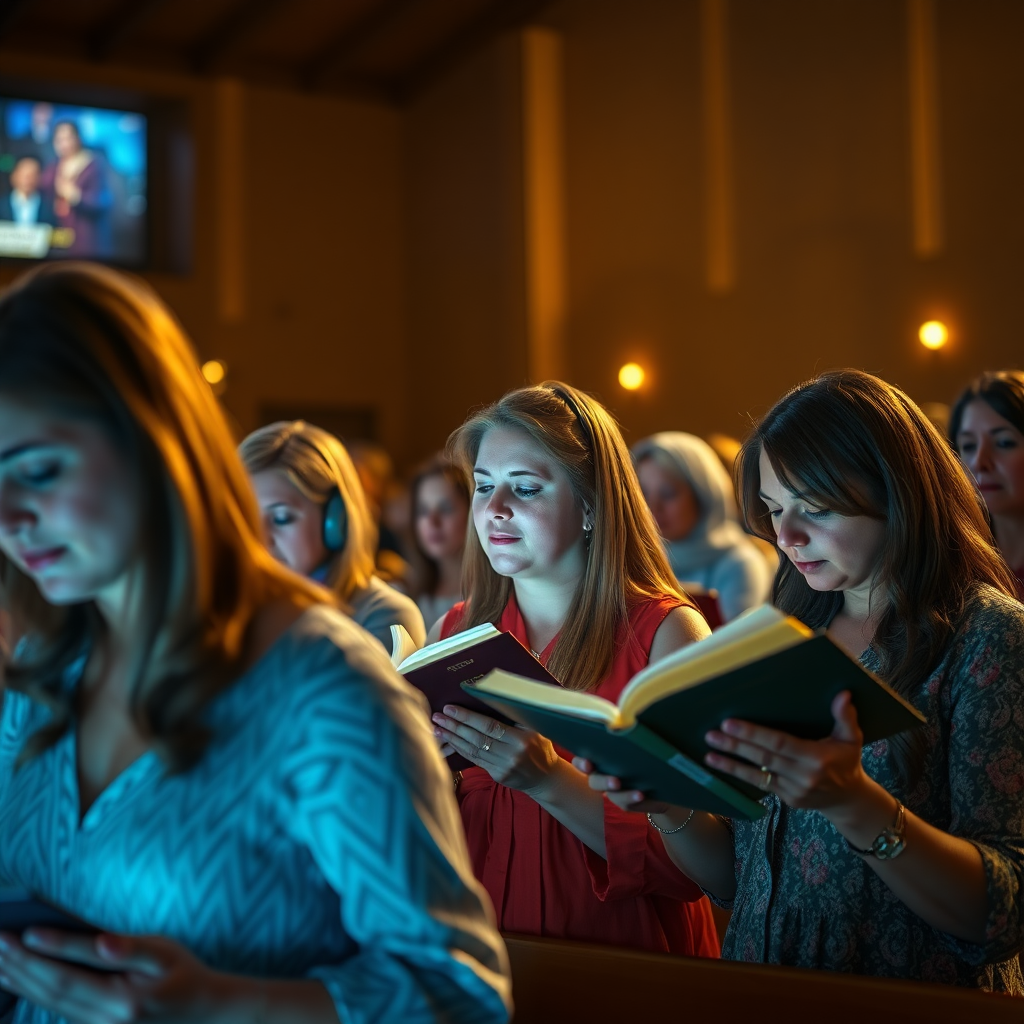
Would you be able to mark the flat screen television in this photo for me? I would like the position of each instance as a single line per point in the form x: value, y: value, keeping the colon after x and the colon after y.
x: 74, y: 182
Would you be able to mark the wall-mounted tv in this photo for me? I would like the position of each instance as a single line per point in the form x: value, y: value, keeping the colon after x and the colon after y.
x: 74, y: 182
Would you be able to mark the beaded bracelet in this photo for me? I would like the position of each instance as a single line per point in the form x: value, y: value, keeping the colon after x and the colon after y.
x: 668, y: 831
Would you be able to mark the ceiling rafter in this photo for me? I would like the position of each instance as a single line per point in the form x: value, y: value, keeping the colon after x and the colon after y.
x: 330, y: 62
x: 129, y: 17
x: 501, y: 16
x: 242, y: 19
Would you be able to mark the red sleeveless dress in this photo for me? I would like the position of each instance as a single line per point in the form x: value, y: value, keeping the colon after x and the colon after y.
x: 544, y: 881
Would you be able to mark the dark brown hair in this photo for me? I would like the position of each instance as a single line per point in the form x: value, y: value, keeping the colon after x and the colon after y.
x: 1001, y: 390
x: 852, y: 443
x: 625, y: 562
x: 78, y: 340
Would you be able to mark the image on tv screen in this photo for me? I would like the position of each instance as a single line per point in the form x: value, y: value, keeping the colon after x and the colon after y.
x: 72, y: 182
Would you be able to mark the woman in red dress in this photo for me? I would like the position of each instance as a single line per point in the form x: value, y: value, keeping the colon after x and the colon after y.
x: 565, y: 555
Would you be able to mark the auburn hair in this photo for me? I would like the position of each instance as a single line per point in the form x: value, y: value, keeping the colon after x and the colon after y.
x: 85, y: 342
x: 626, y: 562
x: 317, y: 464
x: 852, y: 443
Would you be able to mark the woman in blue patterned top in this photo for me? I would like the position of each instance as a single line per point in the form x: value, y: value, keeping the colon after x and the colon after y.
x: 199, y: 754
x: 906, y: 857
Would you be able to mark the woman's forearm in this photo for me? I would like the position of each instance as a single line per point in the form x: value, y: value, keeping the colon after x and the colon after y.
x: 940, y: 877
x: 702, y: 849
x: 566, y: 795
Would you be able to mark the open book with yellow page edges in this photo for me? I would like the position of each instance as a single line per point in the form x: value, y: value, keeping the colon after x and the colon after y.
x: 764, y: 667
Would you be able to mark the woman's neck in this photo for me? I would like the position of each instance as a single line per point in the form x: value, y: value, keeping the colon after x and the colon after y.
x: 449, y: 577
x: 544, y: 607
x: 1009, y: 533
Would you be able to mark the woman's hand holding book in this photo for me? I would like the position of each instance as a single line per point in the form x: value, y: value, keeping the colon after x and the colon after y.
x: 513, y: 756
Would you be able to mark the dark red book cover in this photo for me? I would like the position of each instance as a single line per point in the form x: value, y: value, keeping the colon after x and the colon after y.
x: 442, y: 680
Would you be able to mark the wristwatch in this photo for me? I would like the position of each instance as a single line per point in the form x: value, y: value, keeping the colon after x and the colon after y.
x: 889, y: 842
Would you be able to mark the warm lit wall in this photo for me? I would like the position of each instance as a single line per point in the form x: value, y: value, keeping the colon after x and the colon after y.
x: 465, y: 271
x: 825, y: 270
x: 384, y: 255
x: 321, y: 254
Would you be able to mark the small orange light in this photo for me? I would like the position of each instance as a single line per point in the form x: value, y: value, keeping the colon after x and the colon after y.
x: 215, y: 370
x: 631, y: 376
x: 933, y: 334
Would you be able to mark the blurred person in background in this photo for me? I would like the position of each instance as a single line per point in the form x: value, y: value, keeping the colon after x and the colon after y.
x: 77, y: 185
x: 693, y: 503
x: 383, y: 494
x: 986, y: 426
x: 25, y: 203
x: 317, y: 522
x: 439, y: 501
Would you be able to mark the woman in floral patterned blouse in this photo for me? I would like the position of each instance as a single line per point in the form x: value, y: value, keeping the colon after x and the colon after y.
x: 904, y: 858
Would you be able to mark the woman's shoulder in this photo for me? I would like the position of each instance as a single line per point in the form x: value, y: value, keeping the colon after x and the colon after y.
x: 990, y: 631
x: 990, y: 611
x: 379, y: 604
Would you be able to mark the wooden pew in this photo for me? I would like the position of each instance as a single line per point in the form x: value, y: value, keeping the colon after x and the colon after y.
x: 578, y: 983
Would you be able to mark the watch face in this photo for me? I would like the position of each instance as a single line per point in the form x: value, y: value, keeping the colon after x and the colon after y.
x: 888, y: 845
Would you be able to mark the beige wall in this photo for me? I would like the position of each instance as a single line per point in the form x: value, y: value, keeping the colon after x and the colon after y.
x: 825, y: 271
x: 383, y: 252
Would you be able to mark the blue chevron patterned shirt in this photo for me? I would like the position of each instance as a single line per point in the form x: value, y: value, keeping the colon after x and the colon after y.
x: 318, y: 837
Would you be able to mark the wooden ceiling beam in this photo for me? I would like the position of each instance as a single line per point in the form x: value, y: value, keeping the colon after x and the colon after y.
x: 129, y: 17
x: 331, y: 61
x: 501, y: 16
x: 244, y: 18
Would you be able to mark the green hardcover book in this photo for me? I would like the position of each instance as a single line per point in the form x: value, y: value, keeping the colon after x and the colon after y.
x: 764, y: 667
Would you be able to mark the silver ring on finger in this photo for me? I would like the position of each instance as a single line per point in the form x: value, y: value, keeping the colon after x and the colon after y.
x: 766, y: 778
x: 486, y: 746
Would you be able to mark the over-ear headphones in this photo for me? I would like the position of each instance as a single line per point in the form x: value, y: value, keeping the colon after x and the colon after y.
x: 335, y: 532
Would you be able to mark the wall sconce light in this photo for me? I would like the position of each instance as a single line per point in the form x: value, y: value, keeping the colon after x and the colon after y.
x: 215, y: 372
x: 933, y: 334
x: 631, y: 376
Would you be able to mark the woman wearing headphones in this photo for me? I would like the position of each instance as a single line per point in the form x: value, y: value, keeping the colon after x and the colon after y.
x: 316, y: 521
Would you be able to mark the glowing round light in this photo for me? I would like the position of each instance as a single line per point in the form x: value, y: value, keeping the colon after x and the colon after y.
x: 631, y: 376
x: 933, y: 334
x: 214, y: 370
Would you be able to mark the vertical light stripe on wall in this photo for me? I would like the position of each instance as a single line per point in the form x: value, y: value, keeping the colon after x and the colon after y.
x: 719, y: 202
x: 544, y: 202
x: 925, y: 163
x: 229, y: 200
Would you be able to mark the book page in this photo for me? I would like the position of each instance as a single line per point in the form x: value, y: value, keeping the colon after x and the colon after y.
x: 402, y: 644
x: 544, y: 695
x: 754, y: 635
x: 456, y: 642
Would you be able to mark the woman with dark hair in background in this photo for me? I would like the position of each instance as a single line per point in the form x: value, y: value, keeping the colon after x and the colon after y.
x: 564, y: 555
x: 199, y: 754
x: 439, y: 502
x: 904, y: 858
x: 317, y: 522
x: 987, y: 427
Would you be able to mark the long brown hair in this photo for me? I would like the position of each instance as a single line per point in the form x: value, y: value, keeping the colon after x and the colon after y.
x: 852, y: 443
x: 317, y: 464
x: 625, y: 561
x: 82, y: 341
